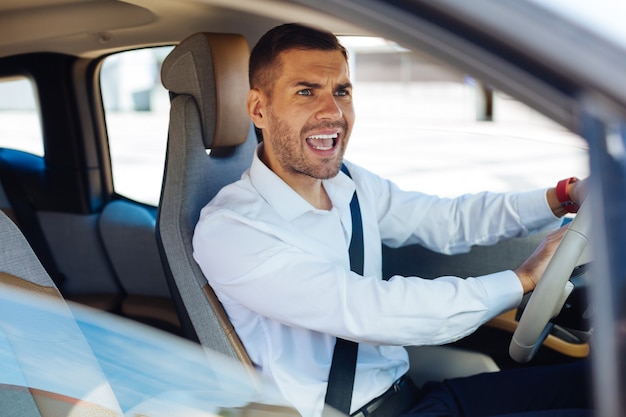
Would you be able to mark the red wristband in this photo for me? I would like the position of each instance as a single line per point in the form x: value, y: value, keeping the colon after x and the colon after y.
x: 563, y: 196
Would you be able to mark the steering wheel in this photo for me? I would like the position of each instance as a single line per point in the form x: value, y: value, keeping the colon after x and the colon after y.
x: 550, y: 294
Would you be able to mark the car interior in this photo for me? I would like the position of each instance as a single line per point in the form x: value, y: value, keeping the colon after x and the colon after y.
x: 22, y: 271
x: 82, y: 241
x: 38, y: 320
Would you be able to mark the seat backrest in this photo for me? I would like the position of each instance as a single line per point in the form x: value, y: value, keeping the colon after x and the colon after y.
x: 211, y: 142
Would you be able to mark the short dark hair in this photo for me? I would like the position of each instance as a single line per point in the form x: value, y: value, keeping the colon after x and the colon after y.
x: 264, y: 57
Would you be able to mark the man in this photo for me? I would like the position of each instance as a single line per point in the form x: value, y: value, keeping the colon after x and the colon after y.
x: 274, y: 245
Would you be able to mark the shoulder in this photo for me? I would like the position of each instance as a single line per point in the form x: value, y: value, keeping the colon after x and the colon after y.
x: 239, y: 197
x: 368, y: 182
x: 362, y: 176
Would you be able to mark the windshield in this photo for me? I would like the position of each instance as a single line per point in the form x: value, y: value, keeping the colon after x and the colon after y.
x: 79, y: 357
x: 603, y: 17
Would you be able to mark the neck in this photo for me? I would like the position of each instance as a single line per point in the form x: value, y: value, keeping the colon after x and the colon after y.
x: 309, y: 188
x: 315, y: 194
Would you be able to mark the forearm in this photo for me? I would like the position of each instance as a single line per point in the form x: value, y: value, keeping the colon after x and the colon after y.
x: 456, y: 225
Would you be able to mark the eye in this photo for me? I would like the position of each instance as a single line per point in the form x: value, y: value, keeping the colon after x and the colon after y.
x: 305, y: 92
x: 342, y: 92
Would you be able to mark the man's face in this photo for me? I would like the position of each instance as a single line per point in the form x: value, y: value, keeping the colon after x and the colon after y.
x: 307, y: 116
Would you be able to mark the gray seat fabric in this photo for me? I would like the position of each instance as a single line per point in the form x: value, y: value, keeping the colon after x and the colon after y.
x: 16, y: 259
x: 16, y: 256
x: 127, y: 233
x: 211, y: 142
x: 47, y: 332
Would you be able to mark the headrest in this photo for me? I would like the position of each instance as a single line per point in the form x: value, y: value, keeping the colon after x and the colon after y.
x: 213, y: 69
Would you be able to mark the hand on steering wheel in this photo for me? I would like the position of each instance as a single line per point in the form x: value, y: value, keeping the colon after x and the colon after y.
x: 551, y: 291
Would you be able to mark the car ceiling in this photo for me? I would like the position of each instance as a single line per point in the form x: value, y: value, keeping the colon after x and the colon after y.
x: 87, y: 28
x: 477, y: 38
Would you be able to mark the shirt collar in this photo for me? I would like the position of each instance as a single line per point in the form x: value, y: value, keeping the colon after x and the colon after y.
x: 285, y: 201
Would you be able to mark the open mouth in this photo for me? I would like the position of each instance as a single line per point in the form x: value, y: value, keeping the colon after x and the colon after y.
x: 322, y: 142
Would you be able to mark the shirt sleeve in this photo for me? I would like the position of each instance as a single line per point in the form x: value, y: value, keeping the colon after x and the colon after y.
x: 254, y: 266
x: 452, y: 225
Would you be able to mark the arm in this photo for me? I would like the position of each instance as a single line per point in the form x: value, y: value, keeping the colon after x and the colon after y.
x: 452, y: 225
x: 296, y: 283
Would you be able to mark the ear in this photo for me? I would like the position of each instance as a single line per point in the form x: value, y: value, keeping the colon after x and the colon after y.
x: 256, y: 107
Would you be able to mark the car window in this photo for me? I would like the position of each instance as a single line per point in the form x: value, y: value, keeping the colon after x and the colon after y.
x: 437, y: 130
x: 137, y: 115
x: 423, y: 125
x: 20, y: 126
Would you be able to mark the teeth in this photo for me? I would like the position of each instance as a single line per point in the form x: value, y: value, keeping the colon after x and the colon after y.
x: 322, y: 142
x: 334, y: 136
x: 321, y: 148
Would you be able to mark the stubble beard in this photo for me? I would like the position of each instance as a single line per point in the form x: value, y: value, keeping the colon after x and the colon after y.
x: 288, y: 147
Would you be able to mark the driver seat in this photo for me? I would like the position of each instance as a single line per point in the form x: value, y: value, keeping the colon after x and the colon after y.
x: 211, y: 142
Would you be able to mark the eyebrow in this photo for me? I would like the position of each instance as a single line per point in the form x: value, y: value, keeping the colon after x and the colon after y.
x: 317, y: 85
x: 307, y: 84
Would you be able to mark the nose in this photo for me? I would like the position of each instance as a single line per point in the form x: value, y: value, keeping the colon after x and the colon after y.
x: 329, y: 108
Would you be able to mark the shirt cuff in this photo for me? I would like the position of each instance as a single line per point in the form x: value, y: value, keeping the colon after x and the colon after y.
x: 504, y: 290
x: 534, y: 211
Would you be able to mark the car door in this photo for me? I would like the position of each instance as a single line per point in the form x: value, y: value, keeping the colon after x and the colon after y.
x: 55, y: 170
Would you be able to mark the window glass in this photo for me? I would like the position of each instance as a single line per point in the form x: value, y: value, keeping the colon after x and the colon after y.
x: 421, y: 124
x: 137, y: 115
x: 436, y: 130
x: 20, y: 126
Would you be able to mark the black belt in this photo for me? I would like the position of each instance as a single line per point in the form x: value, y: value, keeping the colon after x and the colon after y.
x: 398, y: 399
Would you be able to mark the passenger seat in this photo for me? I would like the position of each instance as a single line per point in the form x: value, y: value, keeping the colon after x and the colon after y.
x: 47, y: 333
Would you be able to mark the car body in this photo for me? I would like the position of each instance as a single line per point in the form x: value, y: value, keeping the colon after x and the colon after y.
x: 461, y: 97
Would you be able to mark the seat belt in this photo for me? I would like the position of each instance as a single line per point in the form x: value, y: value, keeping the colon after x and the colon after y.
x: 343, y: 366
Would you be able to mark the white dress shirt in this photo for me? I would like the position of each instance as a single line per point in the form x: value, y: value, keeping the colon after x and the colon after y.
x: 282, y: 271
